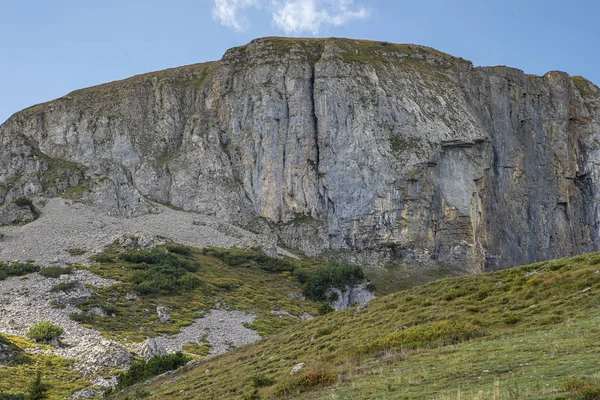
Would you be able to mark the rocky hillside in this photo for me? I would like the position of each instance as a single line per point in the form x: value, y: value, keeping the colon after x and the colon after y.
x: 377, y: 152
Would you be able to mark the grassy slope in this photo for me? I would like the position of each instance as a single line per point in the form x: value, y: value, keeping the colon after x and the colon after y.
x: 245, y: 286
x: 56, y: 371
x: 512, y: 334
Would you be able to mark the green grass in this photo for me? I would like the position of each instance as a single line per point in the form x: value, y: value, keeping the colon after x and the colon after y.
x: 16, y: 269
x: 55, y: 271
x: 63, y: 286
x: 56, y: 372
x: 585, y: 87
x: 236, y: 279
x: 515, y: 334
x: 76, y: 251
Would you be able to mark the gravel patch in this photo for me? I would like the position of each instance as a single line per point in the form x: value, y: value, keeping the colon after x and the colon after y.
x: 224, y: 330
x: 27, y: 301
x: 65, y: 225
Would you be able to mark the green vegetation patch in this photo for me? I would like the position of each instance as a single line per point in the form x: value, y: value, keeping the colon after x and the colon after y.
x: 55, y: 271
x: 160, y: 272
x: 585, y: 87
x: 28, y: 372
x: 191, y: 282
x: 44, y: 332
x: 16, y: 269
x: 331, y: 276
x: 437, y: 334
x: 144, y: 369
x: 64, y: 286
x: 519, y: 333
x: 76, y: 251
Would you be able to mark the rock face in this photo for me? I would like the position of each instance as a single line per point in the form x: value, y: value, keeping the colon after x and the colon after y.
x: 376, y: 152
x: 352, y: 295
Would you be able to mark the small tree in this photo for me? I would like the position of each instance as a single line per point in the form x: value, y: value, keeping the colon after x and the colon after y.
x: 44, y: 332
x: 37, y: 389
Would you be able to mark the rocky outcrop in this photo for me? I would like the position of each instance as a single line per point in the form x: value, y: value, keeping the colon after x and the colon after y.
x: 375, y: 152
x: 351, y: 295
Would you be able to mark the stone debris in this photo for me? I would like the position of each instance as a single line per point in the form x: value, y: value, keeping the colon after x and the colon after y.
x: 297, y: 368
x: 163, y: 314
x: 64, y: 225
x: 27, y: 302
x: 224, y: 330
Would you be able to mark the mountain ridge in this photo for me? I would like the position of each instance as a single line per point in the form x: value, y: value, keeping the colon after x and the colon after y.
x: 338, y: 147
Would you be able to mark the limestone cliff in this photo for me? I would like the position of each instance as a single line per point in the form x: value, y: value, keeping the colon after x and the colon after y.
x: 372, y: 151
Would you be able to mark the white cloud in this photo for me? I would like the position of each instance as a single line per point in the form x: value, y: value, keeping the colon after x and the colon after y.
x: 296, y: 16
x: 227, y: 13
x: 291, y: 16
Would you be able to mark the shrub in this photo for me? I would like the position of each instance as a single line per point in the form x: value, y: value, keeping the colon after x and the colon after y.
x: 308, y: 381
x: 325, y: 308
x: 159, y: 272
x: 328, y: 330
x: 511, y: 319
x: 76, y: 251
x: 179, y: 249
x: 37, y: 389
x: 249, y: 258
x: 64, y: 286
x: 8, y: 396
x: 142, y: 370
x: 16, y: 269
x: 23, y: 202
x: 101, y: 258
x: 54, y: 271
x: 261, y: 380
x: 82, y: 318
x: 332, y: 275
x: 582, y: 388
x: 44, y: 332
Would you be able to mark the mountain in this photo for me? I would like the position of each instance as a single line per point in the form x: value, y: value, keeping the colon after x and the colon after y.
x: 386, y: 155
x: 120, y: 206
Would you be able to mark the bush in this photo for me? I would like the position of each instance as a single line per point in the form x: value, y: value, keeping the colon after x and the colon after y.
x: 23, y: 202
x: 159, y: 272
x: 249, y: 258
x: 328, y: 330
x: 582, y: 388
x: 16, y: 269
x: 64, y: 286
x: 308, y: 381
x: 76, y: 251
x: 82, y: 318
x: 101, y: 258
x: 44, y: 332
x: 332, y: 275
x: 261, y: 381
x: 511, y: 319
x: 142, y: 370
x: 55, y: 272
x: 8, y: 396
x: 37, y: 389
x: 325, y: 308
x: 179, y: 249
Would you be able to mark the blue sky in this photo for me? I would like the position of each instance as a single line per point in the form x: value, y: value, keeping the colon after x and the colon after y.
x: 49, y: 48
